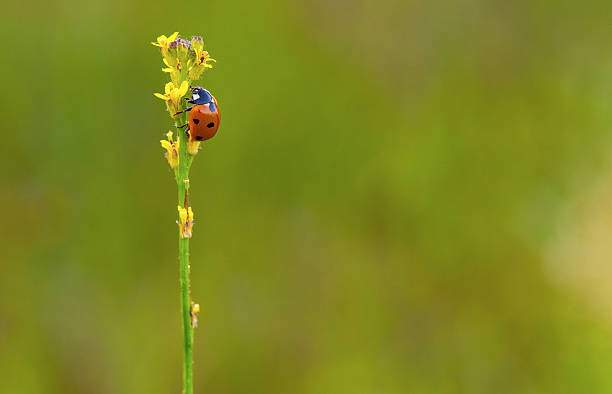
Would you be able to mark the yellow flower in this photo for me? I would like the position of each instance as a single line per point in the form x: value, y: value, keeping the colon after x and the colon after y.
x: 173, y: 96
x: 172, y: 148
x: 163, y: 43
x: 174, y: 71
x: 200, y: 59
x: 186, y: 222
x: 193, y: 146
x: 199, y: 65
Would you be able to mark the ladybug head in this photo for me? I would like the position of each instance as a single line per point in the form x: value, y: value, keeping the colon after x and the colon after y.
x: 200, y: 95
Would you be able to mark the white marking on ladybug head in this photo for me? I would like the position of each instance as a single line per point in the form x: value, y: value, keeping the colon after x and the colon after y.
x: 196, y: 96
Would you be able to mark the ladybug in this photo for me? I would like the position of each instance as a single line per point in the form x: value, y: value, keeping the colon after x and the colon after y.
x: 203, y: 115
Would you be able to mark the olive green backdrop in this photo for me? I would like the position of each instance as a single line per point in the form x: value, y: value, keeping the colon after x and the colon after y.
x: 384, y: 209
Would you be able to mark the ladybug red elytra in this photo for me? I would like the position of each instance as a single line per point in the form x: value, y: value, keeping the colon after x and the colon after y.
x: 203, y: 115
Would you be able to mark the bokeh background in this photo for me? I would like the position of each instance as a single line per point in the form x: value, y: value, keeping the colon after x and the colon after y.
x: 403, y: 197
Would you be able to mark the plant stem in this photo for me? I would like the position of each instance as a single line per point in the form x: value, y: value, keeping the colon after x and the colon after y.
x: 186, y: 313
x: 184, y: 267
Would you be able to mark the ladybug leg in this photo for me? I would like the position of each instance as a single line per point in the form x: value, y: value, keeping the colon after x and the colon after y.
x: 185, y: 110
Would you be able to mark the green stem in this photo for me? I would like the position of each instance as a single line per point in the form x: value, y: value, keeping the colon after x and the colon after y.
x: 182, y: 175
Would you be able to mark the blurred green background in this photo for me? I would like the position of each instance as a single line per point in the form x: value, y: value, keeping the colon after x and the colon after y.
x: 403, y: 197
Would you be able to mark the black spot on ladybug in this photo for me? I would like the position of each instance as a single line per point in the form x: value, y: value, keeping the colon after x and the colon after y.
x: 196, y: 120
x: 211, y: 124
x: 199, y: 137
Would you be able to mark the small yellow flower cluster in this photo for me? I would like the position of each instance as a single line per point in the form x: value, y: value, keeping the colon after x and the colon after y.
x: 200, y: 60
x: 172, y: 148
x: 185, y: 62
x: 186, y: 222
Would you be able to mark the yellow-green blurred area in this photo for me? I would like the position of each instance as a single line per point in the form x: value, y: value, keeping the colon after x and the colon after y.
x: 403, y: 197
